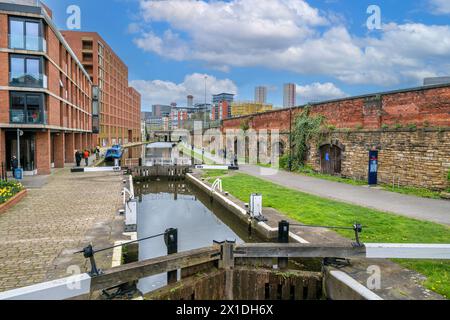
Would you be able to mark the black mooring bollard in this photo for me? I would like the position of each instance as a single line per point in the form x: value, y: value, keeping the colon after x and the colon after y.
x: 283, y: 237
x: 171, y: 240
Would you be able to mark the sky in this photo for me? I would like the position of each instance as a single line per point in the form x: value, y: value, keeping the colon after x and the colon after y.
x: 329, y: 48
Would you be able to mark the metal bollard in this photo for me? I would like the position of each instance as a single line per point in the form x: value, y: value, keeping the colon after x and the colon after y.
x: 283, y: 237
x: 171, y: 240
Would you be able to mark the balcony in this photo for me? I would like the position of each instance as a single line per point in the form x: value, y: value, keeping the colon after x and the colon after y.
x: 28, y: 80
x: 27, y: 116
x: 29, y: 43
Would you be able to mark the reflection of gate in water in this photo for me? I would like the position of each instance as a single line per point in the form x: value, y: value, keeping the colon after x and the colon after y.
x: 330, y: 159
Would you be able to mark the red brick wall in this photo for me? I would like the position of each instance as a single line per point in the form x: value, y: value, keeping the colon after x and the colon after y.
x: 426, y: 107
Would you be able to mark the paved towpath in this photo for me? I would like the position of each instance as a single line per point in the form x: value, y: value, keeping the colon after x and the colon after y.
x: 61, y: 214
x: 405, y: 205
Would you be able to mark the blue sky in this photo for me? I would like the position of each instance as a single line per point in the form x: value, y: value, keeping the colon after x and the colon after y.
x: 324, y: 47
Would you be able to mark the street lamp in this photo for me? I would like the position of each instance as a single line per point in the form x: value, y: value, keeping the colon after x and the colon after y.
x: 290, y: 138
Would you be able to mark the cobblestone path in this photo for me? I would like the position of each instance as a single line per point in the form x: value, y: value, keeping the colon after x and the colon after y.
x: 38, y: 237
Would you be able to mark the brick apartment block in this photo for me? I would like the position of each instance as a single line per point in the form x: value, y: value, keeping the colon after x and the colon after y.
x: 44, y: 91
x: 120, y: 105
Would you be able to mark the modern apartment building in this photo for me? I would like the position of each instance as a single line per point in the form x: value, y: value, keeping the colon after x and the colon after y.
x: 239, y: 109
x: 45, y: 92
x: 290, y: 95
x: 221, y: 106
x: 119, y: 104
x: 261, y: 95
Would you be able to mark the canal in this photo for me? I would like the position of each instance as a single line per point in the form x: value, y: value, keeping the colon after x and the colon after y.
x: 167, y: 204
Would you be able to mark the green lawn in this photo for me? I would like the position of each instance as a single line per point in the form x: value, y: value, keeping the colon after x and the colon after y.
x: 380, y: 226
x: 413, y: 191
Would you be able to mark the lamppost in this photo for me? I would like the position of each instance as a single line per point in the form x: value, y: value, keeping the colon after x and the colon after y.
x: 290, y: 138
x: 205, y: 115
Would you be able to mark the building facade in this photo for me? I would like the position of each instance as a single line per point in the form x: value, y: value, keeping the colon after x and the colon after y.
x: 119, y: 104
x: 261, y: 95
x: 245, y: 108
x: 289, y: 95
x: 221, y: 106
x: 45, y: 92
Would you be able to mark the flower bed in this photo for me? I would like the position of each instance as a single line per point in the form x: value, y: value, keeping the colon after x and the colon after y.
x: 8, y: 189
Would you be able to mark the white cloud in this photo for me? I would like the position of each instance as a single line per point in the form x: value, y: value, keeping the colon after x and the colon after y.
x: 166, y: 92
x: 317, y: 91
x: 440, y: 6
x: 291, y: 35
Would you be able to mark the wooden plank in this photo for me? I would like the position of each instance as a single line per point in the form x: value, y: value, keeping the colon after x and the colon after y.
x: 138, y: 270
x: 299, y: 250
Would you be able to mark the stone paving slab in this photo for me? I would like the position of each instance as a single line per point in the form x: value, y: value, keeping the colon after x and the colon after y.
x: 40, y: 234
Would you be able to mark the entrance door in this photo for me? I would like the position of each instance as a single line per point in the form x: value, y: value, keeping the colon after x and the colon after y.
x: 330, y: 158
x: 27, y: 150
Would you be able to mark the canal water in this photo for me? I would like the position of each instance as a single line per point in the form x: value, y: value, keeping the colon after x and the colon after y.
x: 167, y: 204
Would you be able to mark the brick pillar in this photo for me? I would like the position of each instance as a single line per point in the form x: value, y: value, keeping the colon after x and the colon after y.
x: 70, y: 147
x: 84, y: 141
x: 78, y: 142
x: 43, y: 152
x: 60, y: 150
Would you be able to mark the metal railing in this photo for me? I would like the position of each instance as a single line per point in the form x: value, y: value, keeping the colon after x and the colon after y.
x: 29, y: 43
x: 38, y: 80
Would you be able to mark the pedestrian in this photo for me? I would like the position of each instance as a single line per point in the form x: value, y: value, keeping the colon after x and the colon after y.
x: 97, y: 152
x: 78, y: 157
x: 14, y: 163
x: 86, y: 157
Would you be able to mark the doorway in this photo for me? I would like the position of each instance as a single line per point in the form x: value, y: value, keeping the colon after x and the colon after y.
x: 27, y: 149
x: 330, y: 159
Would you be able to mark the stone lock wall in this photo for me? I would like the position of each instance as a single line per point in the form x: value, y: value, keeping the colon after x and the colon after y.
x: 419, y: 158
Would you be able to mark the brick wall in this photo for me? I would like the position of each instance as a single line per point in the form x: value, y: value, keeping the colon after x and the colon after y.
x: 419, y: 158
x: 423, y: 107
x: 410, y: 128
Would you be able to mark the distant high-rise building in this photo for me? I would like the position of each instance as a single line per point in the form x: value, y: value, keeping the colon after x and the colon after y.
x: 190, y: 101
x: 221, y: 106
x: 290, y: 95
x: 159, y: 110
x: 261, y: 94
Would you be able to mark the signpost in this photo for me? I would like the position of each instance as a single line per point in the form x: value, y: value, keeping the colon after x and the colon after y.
x: 373, y: 167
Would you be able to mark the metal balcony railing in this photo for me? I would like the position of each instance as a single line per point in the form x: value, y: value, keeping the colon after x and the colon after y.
x: 28, y: 80
x: 27, y: 116
x: 29, y: 43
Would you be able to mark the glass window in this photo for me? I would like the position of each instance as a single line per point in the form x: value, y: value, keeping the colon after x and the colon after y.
x: 17, y: 112
x: 26, y: 108
x: 32, y: 36
x: 25, y: 34
x: 26, y: 71
x: 33, y: 108
x: 17, y: 34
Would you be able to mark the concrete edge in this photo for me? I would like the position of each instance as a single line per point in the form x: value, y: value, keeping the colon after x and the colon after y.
x: 339, y: 285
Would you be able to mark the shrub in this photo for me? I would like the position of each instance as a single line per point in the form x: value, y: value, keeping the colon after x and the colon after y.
x: 284, y: 162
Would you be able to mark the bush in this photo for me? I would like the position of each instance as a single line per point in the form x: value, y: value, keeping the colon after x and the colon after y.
x: 9, y: 189
x: 284, y: 162
x: 448, y: 179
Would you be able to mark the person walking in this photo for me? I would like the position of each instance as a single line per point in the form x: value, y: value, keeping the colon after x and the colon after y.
x: 86, y: 157
x: 14, y: 164
x: 78, y: 157
x: 97, y: 152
